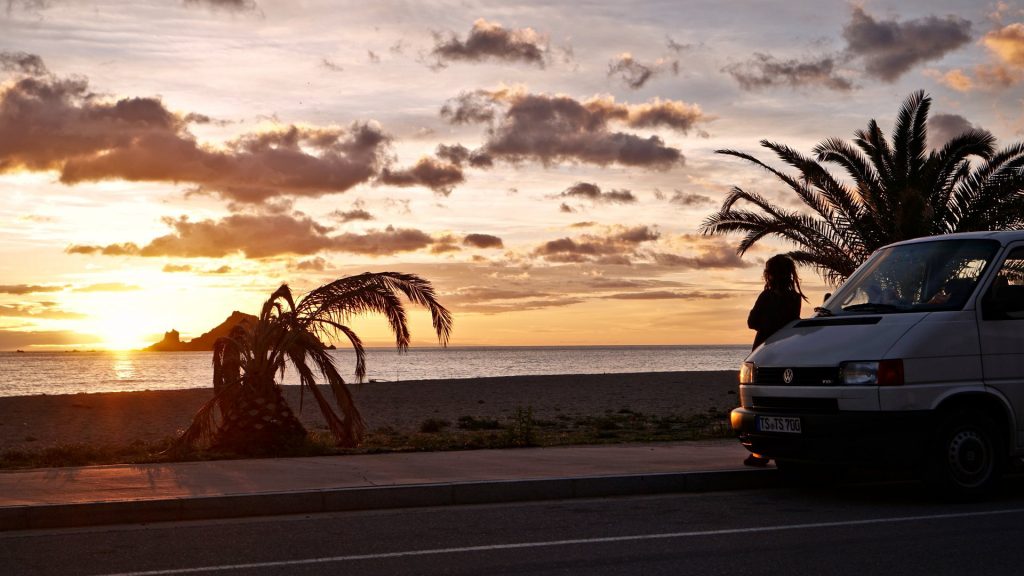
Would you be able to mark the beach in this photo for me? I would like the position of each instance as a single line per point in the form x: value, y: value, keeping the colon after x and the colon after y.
x: 33, y: 423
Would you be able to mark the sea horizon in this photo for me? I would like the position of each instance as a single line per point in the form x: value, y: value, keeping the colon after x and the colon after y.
x: 70, y: 372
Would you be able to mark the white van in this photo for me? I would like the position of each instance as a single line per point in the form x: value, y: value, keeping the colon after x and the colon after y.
x: 917, y: 358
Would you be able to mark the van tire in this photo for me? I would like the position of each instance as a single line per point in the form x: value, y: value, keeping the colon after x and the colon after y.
x: 966, y: 455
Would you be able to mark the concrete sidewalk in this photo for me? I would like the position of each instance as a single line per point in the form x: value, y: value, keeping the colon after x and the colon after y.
x: 64, y: 497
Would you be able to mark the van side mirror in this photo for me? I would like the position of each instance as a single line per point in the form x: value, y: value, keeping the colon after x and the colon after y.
x: 827, y: 296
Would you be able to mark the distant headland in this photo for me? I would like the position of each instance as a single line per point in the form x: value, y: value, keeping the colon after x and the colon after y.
x: 172, y: 340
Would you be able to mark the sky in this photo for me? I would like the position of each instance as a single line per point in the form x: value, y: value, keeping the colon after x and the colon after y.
x: 547, y: 166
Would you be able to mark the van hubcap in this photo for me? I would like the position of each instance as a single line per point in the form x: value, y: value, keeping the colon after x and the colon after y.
x: 968, y: 457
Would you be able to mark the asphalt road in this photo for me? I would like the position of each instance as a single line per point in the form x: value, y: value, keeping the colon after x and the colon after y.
x: 877, y: 529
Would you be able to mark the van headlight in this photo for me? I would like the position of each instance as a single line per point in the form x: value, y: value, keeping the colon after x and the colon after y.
x: 748, y: 373
x: 871, y: 373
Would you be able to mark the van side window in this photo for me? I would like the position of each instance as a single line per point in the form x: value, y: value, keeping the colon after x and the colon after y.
x: 1005, y: 297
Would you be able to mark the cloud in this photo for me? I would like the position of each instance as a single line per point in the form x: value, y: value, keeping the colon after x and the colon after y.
x: 330, y: 65
x: 60, y: 124
x: 21, y: 289
x: 385, y: 242
x: 11, y: 339
x: 490, y: 41
x: 123, y: 249
x: 710, y: 254
x: 351, y: 215
x: 317, y: 264
x: 459, y: 155
x: 1007, y: 44
x: 108, y: 287
x: 613, y: 248
x: 592, y: 192
x: 45, y: 313
x: 956, y: 79
x: 890, y: 48
x: 23, y: 63
x: 635, y: 74
x: 552, y: 129
x: 691, y: 199
x: 236, y: 5
x: 441, y: 177
x: 766, y: 71
x: 172, y: 268
x: 483, y: 241
x: 943, y: 127
x: 264, y: 236
x: 669, y: 295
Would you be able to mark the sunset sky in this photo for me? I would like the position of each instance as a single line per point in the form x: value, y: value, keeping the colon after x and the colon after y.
x: 546, y: 165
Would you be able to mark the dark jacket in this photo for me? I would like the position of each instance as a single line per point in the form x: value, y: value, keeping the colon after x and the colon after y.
x: 772, y: 311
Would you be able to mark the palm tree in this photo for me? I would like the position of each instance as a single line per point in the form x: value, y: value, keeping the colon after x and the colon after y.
x: 891, y: 191
x: 253, y: 414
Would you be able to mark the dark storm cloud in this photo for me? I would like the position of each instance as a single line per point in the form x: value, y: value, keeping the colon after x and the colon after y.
x: 59, y: 124
x: 943, y: 127
x: 766, y: 71
x: 592, y: 192
x: 21, y: 289
x: 890, y: 48
x: 439, y: 176
x: 635, y: 74
x: 552, y: 129
x: 23, y: 63
x: 490, y: 41
x: 483, y: 241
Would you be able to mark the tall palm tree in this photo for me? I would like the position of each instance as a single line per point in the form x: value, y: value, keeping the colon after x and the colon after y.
x: 253, y: 413
x: 891, y: 191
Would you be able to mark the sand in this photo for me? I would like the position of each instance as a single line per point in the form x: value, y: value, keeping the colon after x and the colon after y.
x: 123, y: 418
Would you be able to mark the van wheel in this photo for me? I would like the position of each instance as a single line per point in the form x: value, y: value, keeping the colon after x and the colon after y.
x: 966, y: 455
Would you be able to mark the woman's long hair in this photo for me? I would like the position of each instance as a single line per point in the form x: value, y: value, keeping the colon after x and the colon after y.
x: 780, y: 275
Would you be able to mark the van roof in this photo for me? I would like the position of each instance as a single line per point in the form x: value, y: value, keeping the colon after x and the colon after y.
x: 1002, y: 236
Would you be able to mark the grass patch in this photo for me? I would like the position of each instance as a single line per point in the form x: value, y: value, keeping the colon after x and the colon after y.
x: 520, y: 429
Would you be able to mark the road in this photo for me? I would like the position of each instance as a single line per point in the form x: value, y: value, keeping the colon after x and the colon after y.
x: 865, y: 529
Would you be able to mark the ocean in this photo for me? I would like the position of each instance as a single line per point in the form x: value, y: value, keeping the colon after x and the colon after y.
x: 31, y: 373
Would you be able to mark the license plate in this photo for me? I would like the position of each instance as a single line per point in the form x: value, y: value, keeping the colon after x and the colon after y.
x: 784, y: 424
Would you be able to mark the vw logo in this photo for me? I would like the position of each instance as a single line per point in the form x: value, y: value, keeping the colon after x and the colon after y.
x: 787, y: 376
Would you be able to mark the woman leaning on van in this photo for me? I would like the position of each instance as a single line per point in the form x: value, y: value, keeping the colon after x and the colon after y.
x: 776, y: 306
x: 779, y: 302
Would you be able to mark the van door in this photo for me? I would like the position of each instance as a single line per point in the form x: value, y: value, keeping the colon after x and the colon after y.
x: 1001, y: 329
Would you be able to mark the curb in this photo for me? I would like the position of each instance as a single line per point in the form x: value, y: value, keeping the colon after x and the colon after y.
x: 374, y: 498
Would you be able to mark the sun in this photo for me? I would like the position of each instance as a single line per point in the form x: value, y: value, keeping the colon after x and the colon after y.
x: 120, y: 331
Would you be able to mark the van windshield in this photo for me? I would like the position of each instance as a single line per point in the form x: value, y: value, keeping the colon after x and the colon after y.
x: 919, y: 277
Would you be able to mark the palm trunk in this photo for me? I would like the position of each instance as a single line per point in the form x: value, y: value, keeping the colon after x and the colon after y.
x: 258, y: 421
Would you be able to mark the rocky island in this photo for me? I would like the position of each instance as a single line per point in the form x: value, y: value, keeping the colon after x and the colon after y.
x: 172, y: 340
